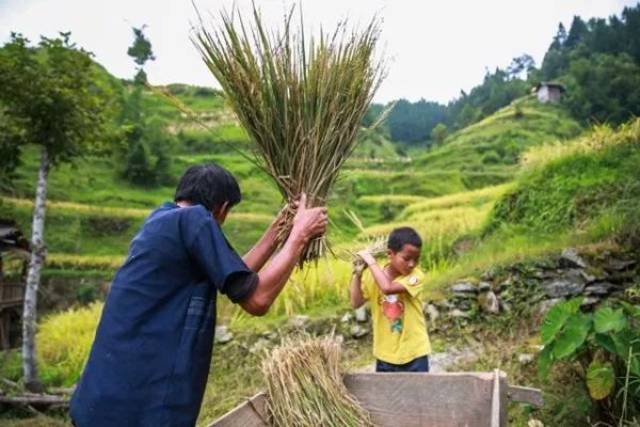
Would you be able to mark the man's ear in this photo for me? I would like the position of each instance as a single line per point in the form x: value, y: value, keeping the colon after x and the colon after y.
x: 220, y: 214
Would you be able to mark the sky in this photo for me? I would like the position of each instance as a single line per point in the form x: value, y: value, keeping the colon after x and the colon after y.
x: 434, y: 49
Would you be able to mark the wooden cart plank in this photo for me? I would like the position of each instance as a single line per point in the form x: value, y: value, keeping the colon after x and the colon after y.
x: 434, y: 400
x: 251, y: 413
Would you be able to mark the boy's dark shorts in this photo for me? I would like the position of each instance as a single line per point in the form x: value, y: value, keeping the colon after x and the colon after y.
x: 421, y: 364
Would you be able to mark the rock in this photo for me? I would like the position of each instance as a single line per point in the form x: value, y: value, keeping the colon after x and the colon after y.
x: 222, y: 334
x: 432, y: 313
x: 484, y: 286
x: 590, y: 302
x: 465, y: 304
x: 459, y: 314
x: 600, y: 288
x: 525, y: 358
x: 488, y: 302
x: 361, y: 314
x: 464, y: 295
x: 619, y: 264
x: 570, y: 284
x: 571, y: 258
x: 546, y: 305
x: 358, y: 331
x: 298, y: 321
x: 348, y: 317
x: 464, y: 287
x: 444, y: 304
x: 543, y: 274
x: 588, y: 277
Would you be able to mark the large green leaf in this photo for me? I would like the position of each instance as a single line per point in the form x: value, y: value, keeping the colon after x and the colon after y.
x: 600, y: 379
x: 606, y: 342
x: 572, y: 336
x: 607, y: 319
x: 628, y: 342
x: 545, y: 359
x: 556, y: 318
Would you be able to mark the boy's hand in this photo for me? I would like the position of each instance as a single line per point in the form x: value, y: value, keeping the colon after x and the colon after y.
x: 366, y: 257
x: 359, y: 266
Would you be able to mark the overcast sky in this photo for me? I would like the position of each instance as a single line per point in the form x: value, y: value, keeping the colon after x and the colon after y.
x: 436, y: 48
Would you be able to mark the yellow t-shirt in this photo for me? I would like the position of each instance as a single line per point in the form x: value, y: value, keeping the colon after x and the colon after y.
x: 399, y: 326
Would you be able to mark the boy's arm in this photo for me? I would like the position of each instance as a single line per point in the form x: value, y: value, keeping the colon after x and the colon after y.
x: 355, y: 293
x: 386, y: 286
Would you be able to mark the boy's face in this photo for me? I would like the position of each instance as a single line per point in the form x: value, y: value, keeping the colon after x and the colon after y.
x: 405, y: 260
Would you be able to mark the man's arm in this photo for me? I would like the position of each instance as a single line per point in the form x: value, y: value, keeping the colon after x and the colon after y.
x: 260, y: 253
x: 386, y: 286
x: 307, y: 224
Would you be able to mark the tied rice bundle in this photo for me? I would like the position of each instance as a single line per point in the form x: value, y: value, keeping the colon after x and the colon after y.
x: 305, y: 388
x: 301, y: 101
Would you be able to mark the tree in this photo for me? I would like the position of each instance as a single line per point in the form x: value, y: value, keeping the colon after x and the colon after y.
x: 439, y: 133
x: 523, y: 63
x: 144, y: 151
x: 604, y: 88
x: 49, y: 99
x: 141, y: 52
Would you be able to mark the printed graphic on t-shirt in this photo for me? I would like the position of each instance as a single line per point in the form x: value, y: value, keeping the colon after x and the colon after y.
x: 393, y: 309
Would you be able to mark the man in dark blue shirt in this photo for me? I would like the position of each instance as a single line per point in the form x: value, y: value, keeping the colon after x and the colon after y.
x: 152, y: 351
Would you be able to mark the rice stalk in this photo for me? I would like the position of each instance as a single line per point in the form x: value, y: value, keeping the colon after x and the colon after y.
x: 301, y: 99
x: 305, y: 388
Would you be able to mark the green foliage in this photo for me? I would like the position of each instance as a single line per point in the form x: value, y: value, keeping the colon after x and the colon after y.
x: 413, y: 122
x: 603, y: 88
x: 439, y: 133
x: 50, y: 97
x: 141, y: 52
x: 146, y: 149
x: 594, y: 176
x: 607, y: 345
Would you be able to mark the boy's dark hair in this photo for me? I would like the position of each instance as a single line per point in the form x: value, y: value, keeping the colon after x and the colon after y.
x: 403, y: 236
x: 209, y: 185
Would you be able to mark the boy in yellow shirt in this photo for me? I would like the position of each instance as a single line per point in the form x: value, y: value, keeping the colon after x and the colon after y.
x: 400, y: 339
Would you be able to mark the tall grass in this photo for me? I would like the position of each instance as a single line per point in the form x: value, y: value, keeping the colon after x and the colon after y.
x: 64, y: 342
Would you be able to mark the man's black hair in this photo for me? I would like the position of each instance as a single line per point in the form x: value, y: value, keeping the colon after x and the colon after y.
x: 209, y: 185
x: 403, y: 236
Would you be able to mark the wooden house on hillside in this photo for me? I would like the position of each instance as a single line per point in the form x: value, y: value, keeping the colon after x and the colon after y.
x: 549, y: 91
x: 14, y: 257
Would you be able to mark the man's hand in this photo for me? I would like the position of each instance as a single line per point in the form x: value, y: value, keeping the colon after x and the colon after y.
x: 366, y: 257
x: 308, y: 222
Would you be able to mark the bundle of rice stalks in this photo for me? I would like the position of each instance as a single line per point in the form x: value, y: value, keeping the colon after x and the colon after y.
x: 300, y: 99
x: 305, y: 388
x: 375, y: 245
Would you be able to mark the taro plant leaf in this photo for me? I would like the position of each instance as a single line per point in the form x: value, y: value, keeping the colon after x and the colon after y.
x: 545, y: 359
x: 572, y: 336
x: 607, y: 319
x: 627, y: 340
x: 556, y: 318
x: 606, y: 342
x: 600, y: 379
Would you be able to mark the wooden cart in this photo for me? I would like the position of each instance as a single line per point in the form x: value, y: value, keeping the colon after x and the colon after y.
x: 474, y: 399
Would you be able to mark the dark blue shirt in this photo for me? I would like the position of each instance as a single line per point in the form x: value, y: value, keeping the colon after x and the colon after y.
x: 152, y: 351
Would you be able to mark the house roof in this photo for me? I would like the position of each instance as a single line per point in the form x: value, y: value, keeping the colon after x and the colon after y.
x: 551, y: 85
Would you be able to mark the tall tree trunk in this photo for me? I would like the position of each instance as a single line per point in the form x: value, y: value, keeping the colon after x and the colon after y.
x: 38, y: 254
